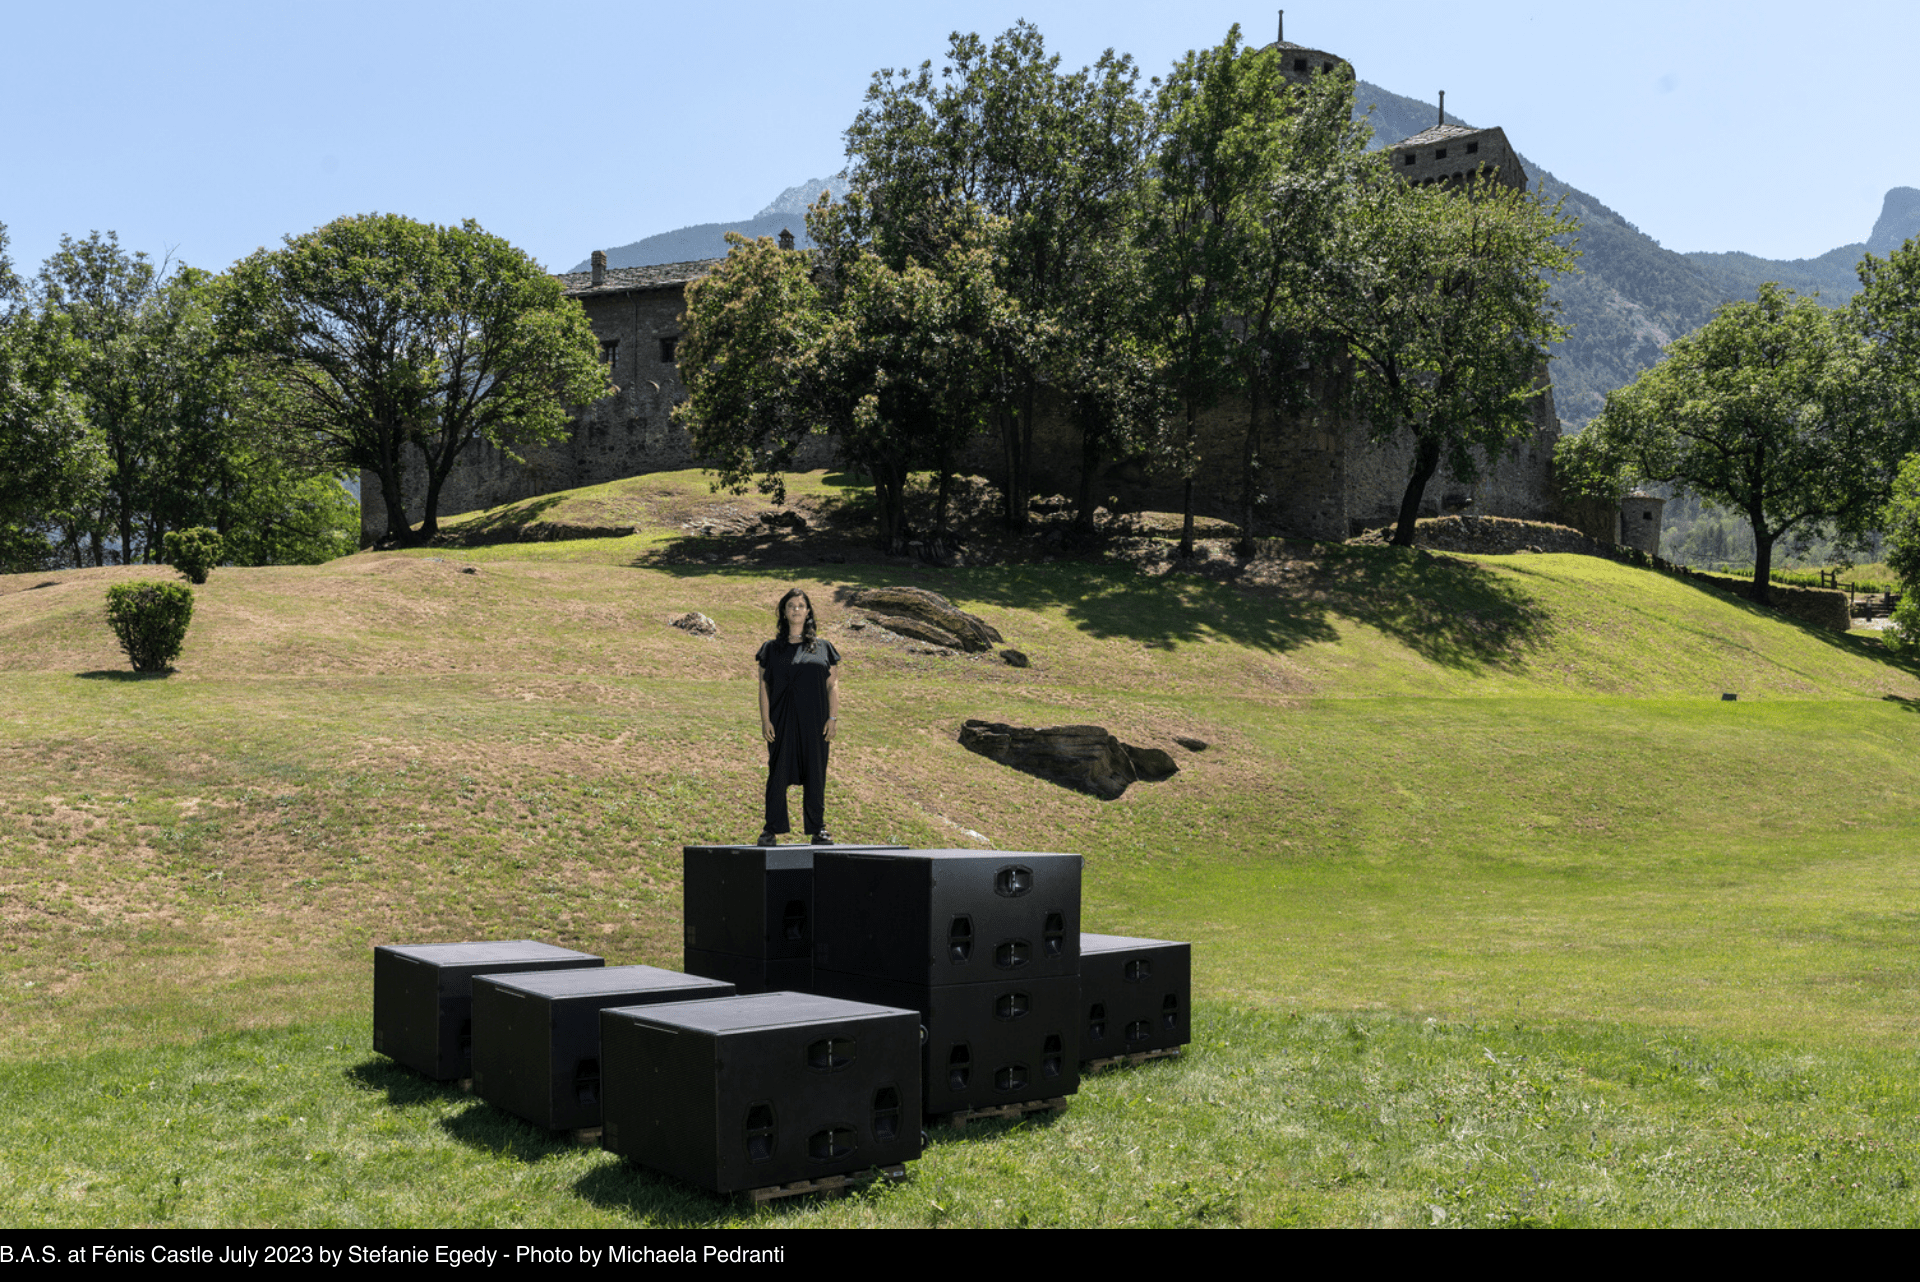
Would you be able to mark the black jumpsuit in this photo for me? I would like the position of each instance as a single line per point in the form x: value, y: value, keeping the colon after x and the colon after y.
x: 797, y: 706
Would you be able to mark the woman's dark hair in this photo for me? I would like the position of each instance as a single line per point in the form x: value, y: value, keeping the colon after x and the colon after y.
x: 807, y: 630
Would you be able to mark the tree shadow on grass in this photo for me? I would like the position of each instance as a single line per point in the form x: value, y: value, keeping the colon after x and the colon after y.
x: 505, y: 525
x: 120, y: 674
x: 1450, y: 611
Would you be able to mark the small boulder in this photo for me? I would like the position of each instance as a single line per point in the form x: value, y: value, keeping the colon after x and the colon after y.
x: 1151, y: 763
x: 1191, y: 745
x: 932, y: 617
x: 698, y: 624
x: 1014, y: 658
x: 1084, y: 758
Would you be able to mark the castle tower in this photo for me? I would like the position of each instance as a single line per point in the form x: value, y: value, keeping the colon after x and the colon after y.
x: 1453, y: 153
x: 1640, y: 521
x: 1299, y: 63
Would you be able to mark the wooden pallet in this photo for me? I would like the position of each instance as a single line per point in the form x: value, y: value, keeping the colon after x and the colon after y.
x: 1092, y: 1066
x: 959, y: 1118
x: 834, y: 1185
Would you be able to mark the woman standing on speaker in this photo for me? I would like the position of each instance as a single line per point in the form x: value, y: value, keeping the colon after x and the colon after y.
x: 799, y: 709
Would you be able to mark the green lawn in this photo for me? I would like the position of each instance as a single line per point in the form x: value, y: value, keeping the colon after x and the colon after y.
x: 1500, y: 913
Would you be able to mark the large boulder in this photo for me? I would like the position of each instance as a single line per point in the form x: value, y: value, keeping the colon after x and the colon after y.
x: 1084, y: 758
x: 926, y: 616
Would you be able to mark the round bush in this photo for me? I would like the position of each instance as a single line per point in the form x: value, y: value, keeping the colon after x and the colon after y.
x: 151, y: 621
x: 194, y: 552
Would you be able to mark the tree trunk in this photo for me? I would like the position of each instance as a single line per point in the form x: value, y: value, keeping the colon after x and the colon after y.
x: 1250, y: 470
x: 1013, y: 510
x: 945, y: 485
x: 1426, y: 461
x: 1186, y: 490
x: 1762, y: 563
x: 1090, y: 455
x: 399, y: 529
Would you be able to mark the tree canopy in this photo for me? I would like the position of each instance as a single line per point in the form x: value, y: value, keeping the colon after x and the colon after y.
x: 1439, y: 295
x: 1773, y: 408
x: 382, y: 343
x: 1051, y: 160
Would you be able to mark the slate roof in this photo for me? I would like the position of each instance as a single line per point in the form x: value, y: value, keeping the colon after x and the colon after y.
x: 621, y: 280
x: 1439, y: 134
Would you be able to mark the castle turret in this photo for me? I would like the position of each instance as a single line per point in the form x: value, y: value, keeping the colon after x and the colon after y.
x: 1299, y: 63
x: 1453, y: 153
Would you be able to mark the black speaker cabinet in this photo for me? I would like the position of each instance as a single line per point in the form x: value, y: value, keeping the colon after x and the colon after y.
x: 422, y: 996
x: 753, y: 974
x: 748, y: 1092
x: 947, y: 916
x: 1134, y: 995
x: 1005, y: 1042
x: 536, y: 1038
x: 752, y: 901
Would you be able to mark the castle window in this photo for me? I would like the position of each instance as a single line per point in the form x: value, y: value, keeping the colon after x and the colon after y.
x: 1327, y: 67
x: 609, y: 350
x: 667, y: 346
x: 1299, y: 64
x: 1409, y: 158
x: 1473, y: 149
x: 1440, y: 153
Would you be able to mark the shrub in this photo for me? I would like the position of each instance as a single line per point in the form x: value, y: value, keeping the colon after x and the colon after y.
x: 194, y: 552
x: 151, y: 621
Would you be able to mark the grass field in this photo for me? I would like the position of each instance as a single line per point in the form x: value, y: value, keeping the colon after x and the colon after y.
x: 1501, y: 914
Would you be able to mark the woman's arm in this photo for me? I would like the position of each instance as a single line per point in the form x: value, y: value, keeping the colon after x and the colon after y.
x: 833, y: 702
x: 766, y: 708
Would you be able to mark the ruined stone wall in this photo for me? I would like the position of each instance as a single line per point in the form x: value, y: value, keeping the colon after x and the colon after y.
x: 1320, y: 477
x: 626, y: 434
x: 1517, y: 482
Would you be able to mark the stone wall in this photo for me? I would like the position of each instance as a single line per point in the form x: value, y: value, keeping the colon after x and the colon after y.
x: 1320, y: 477
x: 1498, y: 536
x: 1821, y: 607
x: 626, y: 434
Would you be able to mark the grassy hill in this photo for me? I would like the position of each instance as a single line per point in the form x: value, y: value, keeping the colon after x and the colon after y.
x: 1501, y: 914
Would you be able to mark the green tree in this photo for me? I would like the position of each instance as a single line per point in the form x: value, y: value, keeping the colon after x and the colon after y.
x: 1902, y: 527
x: 1438, y: 295
x: 894, y: 362
x: 49, y: 457
x: 1051, y: 160
x: 1252, y: 176
x: 1775, y: 409
x: 383, y: 344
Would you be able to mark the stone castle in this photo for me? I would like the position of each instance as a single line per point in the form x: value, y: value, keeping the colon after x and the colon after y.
x: 1321, y: 477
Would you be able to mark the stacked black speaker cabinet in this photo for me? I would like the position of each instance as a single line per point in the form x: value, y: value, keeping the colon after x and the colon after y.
x: 984, y: 944
x: 1133, y: 995
x: 749, y: 915
x: 754, y: 1091
x: 422, y: 996
x: 536, y: 1037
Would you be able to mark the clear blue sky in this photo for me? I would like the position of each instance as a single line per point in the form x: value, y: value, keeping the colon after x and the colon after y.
x: 208, y: 129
